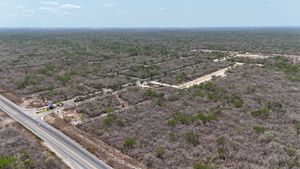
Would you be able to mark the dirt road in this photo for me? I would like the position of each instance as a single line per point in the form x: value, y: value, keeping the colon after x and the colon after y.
x: 199, y: 80
x: 208, y: 77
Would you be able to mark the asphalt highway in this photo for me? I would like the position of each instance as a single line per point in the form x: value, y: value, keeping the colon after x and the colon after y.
x: 68, y: 150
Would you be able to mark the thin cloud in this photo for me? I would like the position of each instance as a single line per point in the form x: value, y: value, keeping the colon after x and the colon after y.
x: 236, y: 11
x: 5, y: 3
x: 28, y: 11
x: 20, y: 6
x: 217, y: 13
x: 70, y: 14
x: 162, y: 9
x: 13, y: 14
x: 271, y: 4
x: 192, y: 11
x: 70, y: 6
x: 46, y: 8
x: 91, y: 19
x: 50, y: 3
x: 123, y: 12
x: 109, y: 5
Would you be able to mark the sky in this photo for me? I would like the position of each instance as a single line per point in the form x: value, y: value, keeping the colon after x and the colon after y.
x: 149, y: 13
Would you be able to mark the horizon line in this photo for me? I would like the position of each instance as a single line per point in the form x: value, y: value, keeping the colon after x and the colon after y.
x: 177, y: 27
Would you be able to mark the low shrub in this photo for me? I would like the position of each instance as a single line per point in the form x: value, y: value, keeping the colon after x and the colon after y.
x: 209, y: 86
x: 237, y: 101
x: 221, y: 152
x: 160, y: 101
x: 172, y: 137
x: 129, y: 143
x: 259, y: 129
x: 174, y: 97
x: 172, y: 122
x: 221, y: 141
x: 107, y: 120
x: 291, y: 151
x: 109, y: 109
x: 293, y: 78
x: 291, y: 70
x: 216, y: 95
x: 261, y: 113
x: 188, y: 119
x: 213, y: 92
x: 192, y: 138
x: 294, y: 163
x: 274, y: 106
x: 28, y: 163
x: 206, y: 118
x: 120, y: 123
x: 159, y: 152
x: 27, y: 81
x: 151, y: 93
x: 199, y: 93
x: 7, y: 162
x: 183, y: 118
x: 64, y: 79
x: 181, y: 77
x: 200, y: 165
x: 251, y: 89
x: 297, y: 127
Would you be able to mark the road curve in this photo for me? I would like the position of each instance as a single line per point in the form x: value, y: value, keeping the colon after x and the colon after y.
x: 68, y: 150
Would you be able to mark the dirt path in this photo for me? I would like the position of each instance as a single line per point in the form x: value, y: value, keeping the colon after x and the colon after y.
x: 208, y: 77
x: 162, y: 84
x: 199, y: 80
x: 222, y: 72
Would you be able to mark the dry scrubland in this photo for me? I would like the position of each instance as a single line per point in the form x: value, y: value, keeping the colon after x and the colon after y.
x: 249, y: 119
x: 21, y: 149
x: 60, y: 64
x: 244, y: 120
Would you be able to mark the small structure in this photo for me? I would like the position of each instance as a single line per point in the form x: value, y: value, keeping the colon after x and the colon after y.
x: 50, y: 105
x: 142, y: 83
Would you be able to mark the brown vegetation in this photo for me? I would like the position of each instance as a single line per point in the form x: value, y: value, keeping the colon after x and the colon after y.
x: 21, y: 149
x: 211, y: 124
x: 248, y: 119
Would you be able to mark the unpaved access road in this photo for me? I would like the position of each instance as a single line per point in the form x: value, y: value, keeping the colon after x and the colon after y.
x: 199, y: 80
x: 208, y: 77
